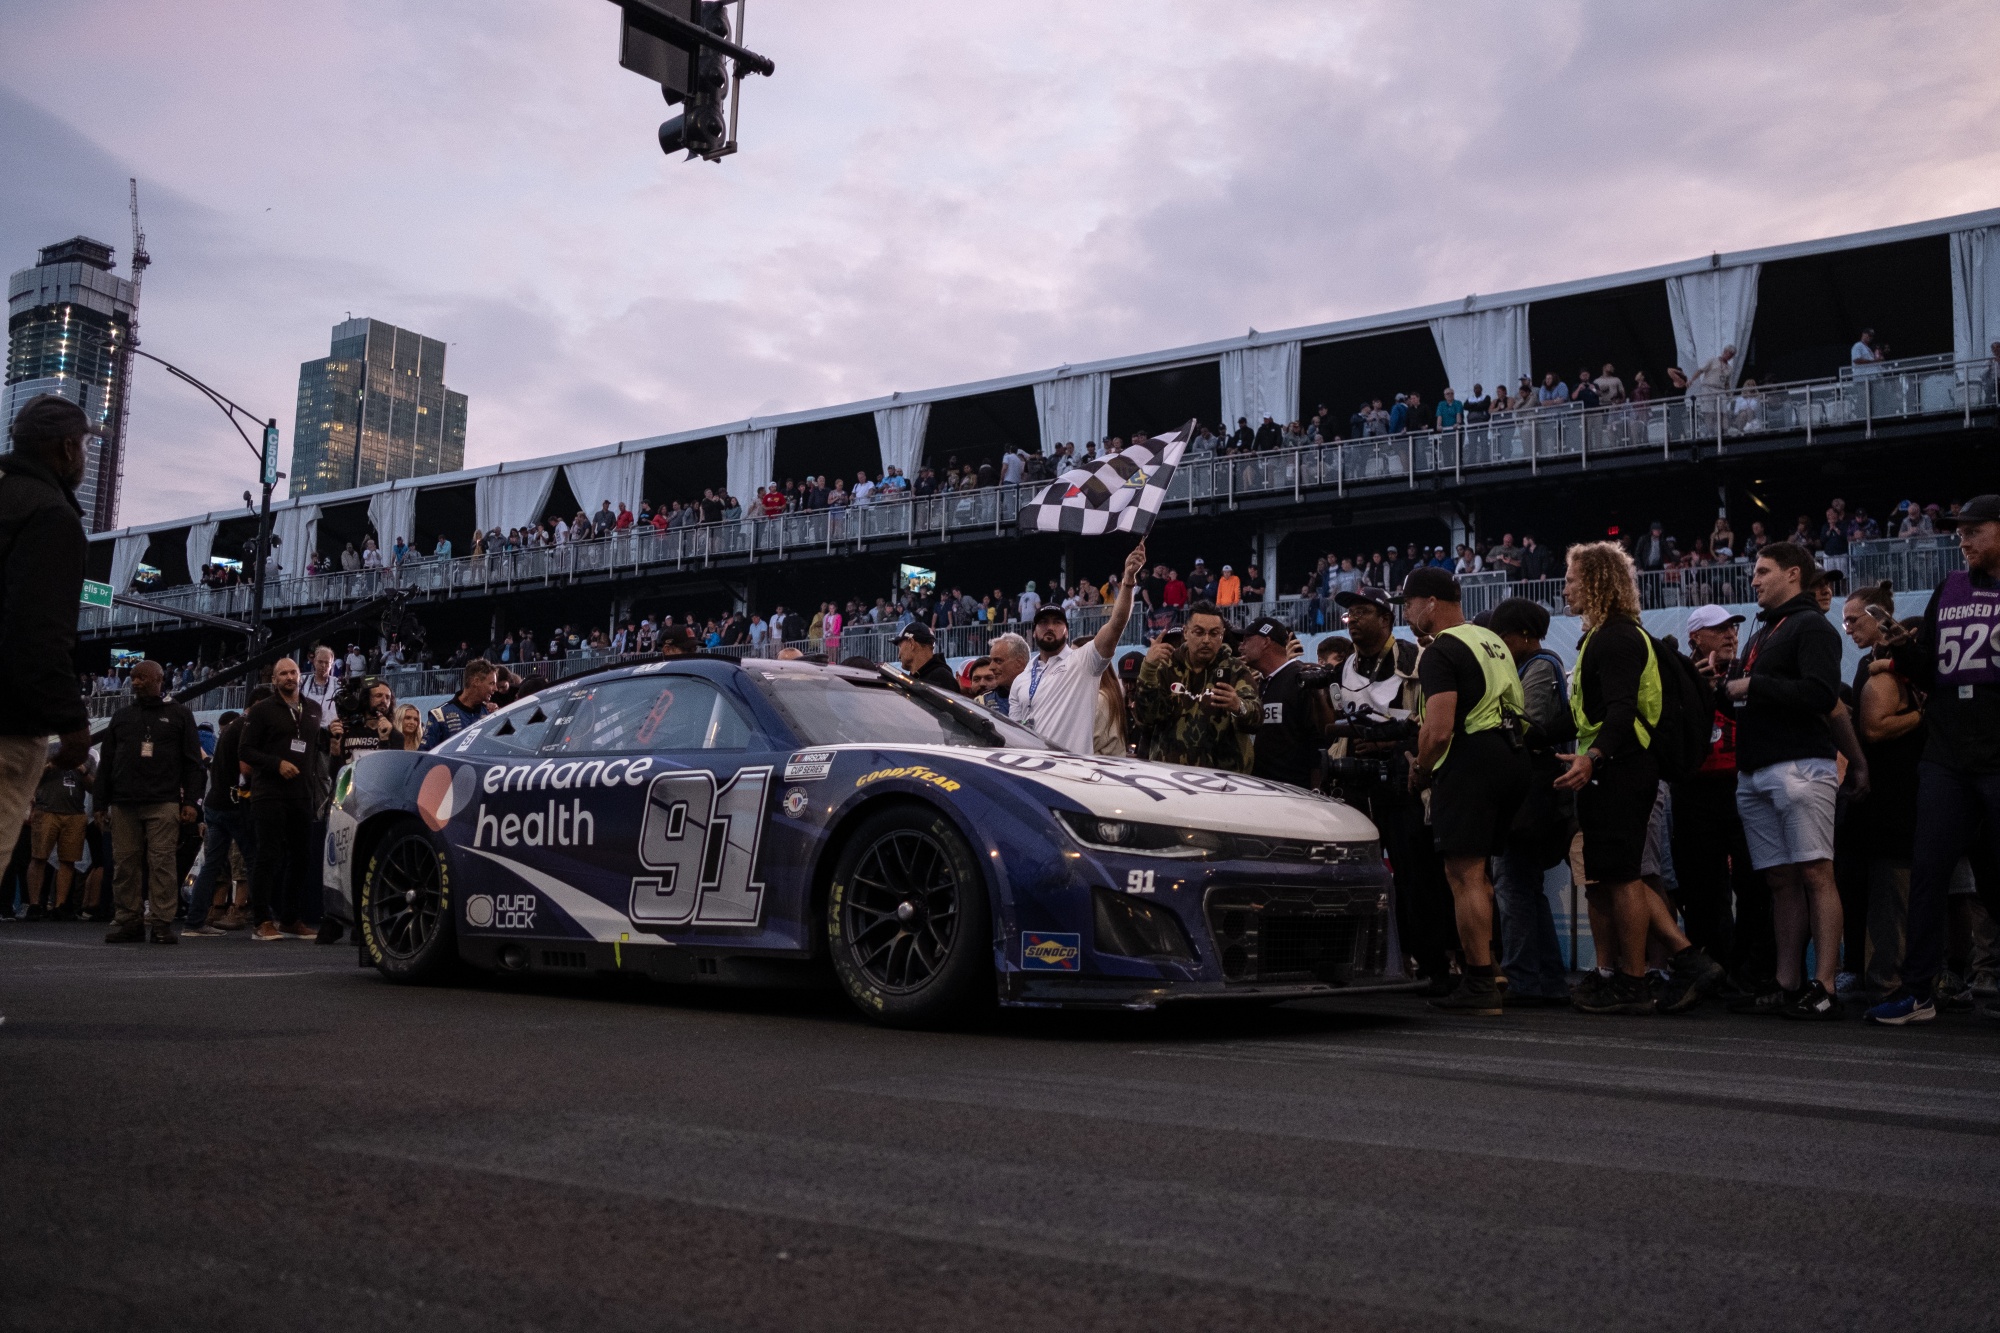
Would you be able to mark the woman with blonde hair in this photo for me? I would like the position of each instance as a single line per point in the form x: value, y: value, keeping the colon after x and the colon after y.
x: 409, y: 732
x: 1616, y: 698
x: 1107, y: 730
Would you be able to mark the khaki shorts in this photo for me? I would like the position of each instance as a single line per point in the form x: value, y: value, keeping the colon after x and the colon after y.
x: 61, y: 834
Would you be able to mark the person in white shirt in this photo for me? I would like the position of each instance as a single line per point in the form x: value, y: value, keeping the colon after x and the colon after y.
x: 322, y: 685
x: 1864, y: 356
x: 1011, y: 464
x: 357, y: 665
x: 562, y: 533
x: 864, y: 489
x: 371, y: 555
x: 1057, y: 694
x: 1030, y: 603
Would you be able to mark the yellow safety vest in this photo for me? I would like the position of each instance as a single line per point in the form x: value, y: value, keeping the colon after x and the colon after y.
x: 1503, y: 693
x: 1650, y: 699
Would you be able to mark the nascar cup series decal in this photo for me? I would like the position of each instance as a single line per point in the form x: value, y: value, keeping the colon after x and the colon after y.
x: 1050, y: 951
x: 808, y: 765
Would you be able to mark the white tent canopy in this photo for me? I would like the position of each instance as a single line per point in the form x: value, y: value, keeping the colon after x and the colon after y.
x: 126, y: 553
x: 1260, y: 381
x: 753, y: 459
x: 296, y: 528
x: 509, y: 500
x: 200, y: 546
x: 1713, y: 309
x: 1484, y: 347
x: 617, y: 478
x: 393, y: 515
x: 899, y: 433
x: 1975, y: 292
x: 1073, y: 409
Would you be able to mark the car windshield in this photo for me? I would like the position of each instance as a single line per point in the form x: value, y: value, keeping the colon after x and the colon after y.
x: 834, y: 708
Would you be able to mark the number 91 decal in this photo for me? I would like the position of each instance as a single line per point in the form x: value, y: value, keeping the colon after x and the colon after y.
x: 702, y: 842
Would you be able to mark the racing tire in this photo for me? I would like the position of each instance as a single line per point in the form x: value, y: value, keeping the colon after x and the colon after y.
x: 908, y: 922
x: 405, y: 909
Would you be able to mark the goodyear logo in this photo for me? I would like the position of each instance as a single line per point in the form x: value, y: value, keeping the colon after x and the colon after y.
x: 1046, y: 951
x: 914, y: 772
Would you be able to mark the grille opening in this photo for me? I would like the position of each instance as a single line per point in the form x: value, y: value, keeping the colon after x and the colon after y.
x: 707, y: 967
x: 1293, y: 933
x: 572, y: 958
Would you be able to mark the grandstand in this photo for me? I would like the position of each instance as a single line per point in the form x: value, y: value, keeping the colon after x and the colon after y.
x: 1773, y: 431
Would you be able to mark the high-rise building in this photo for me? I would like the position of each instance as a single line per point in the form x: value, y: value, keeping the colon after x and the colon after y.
x: 375, y: 409
x: 68, y: 319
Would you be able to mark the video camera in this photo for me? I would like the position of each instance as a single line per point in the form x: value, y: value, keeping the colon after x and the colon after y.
x: 1361, y: 724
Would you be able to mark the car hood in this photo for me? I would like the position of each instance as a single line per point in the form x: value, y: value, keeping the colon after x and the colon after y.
x: 1135, y: 789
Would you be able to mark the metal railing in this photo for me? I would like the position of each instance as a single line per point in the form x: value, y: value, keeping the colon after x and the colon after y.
x: 1530, y: 437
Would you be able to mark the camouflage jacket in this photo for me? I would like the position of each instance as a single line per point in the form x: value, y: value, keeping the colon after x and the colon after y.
x: 1179, y: 730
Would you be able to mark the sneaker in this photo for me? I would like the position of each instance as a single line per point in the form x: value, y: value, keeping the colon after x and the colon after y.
x: 236, y: 918
x: 299, y: 930
x: 330, y: 932
x: 1620, y: 995
x: 1812, y: 1001
x: 1953, y: 993
x: 267, y: 932
x: 1902, y: 1008
x: 201, y: 933
x: 1765, y: 1003
x: 1475, y: 995
x: 1593, y: 982
x: 1695, y: 975
x: 161, y: 933
x: 128, y: 934
x: 1985, y: 985
x: 34, y: 913
x: 1846, y: 983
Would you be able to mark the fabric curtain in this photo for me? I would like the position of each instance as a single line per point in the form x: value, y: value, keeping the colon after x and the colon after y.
x: 1711, y: 310
x: 509, y: 500
x: 296, y: 529
x: 753, y: 458
x: 200, y: 546
x: 126, y: 553
x: 618, y: 479
x: 1488, y: 348
x: 393, y: 515
x: 1975, y: 292
x: 1073, y: 409
x: 899, y: 432
x: 1260, y: 381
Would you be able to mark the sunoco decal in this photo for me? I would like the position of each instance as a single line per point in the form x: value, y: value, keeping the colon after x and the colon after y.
x: 1050, y: 951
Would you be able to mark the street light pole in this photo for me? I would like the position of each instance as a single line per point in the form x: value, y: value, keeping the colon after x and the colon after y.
x: 267, y: 461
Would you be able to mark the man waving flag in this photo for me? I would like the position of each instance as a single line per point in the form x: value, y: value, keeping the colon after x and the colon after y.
x: 1121, y: 493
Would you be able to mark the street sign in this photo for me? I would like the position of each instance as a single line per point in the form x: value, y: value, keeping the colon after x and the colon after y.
x: 95, y: 593
x: 271, y: 455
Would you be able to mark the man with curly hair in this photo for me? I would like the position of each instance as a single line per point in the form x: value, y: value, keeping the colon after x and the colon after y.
x: 1616, y: 698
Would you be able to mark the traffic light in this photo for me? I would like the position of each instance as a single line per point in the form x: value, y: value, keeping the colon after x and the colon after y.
x: 685, y: 47
x: 701, y: 129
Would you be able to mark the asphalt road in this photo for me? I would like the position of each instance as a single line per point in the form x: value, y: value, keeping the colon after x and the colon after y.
x: 231, y: 1136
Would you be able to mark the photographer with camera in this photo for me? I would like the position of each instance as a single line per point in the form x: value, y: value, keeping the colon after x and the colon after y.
x: 1291, y: 739
x: 1470, y: 753
x: 1367, y: 767
x: 1196, y: 699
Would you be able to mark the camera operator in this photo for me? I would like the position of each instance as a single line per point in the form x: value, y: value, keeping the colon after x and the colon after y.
x: 1196, y: 699
x: 1368, y: 769
x: 1470, y: 752
x: 1291, y: 740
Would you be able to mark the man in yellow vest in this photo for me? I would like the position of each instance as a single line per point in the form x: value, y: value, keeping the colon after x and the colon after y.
x: 1469, y: 754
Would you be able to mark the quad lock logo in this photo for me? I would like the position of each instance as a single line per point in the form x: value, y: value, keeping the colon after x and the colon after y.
x: 506, y: 911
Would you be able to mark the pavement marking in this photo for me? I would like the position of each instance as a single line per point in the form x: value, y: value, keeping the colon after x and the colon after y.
x: 1763, y: 1048
x: 1385, y: 1254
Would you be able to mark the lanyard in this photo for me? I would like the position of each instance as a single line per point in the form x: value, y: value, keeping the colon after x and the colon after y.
x: 1034, y: 679
x: 1757, y: 644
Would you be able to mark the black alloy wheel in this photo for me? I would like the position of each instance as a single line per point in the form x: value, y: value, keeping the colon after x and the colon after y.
x: 908, y: 919
x: 406, y: 923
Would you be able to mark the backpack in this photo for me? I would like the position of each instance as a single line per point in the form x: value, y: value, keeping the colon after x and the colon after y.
x: 1687, y: 715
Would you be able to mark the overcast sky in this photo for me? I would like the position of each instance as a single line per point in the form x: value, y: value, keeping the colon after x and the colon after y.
x: 929, y: 192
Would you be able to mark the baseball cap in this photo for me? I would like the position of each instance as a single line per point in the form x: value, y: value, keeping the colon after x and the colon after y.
x: 1270, y: 627
x: 1374, y: 597
x: 1708, y: 617
x: 1229, y: 569
x: 1430, y: 582
x: 918, y: 632
x: 1979, y: 509
x: 1051, y: 611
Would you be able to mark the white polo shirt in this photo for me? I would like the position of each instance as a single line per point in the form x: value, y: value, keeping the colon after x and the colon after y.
x: 1057, y: 696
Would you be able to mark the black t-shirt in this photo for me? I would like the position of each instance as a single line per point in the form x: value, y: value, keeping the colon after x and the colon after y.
x: 1448, y: 666
x: 1288, y: 740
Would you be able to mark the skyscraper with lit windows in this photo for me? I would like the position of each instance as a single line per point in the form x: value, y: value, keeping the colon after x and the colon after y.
x: 68, y: 319
x: 375, y: 409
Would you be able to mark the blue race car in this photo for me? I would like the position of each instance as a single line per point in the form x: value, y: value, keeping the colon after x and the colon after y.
x: 700, y: 820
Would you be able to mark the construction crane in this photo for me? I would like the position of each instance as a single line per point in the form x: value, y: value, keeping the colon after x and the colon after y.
x: 139, y: 260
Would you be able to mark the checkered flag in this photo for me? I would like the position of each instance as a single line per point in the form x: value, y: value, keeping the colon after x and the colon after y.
x: 1123, y: 492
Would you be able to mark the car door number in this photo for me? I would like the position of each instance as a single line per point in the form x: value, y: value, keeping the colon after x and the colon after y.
x: 701, y: 843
